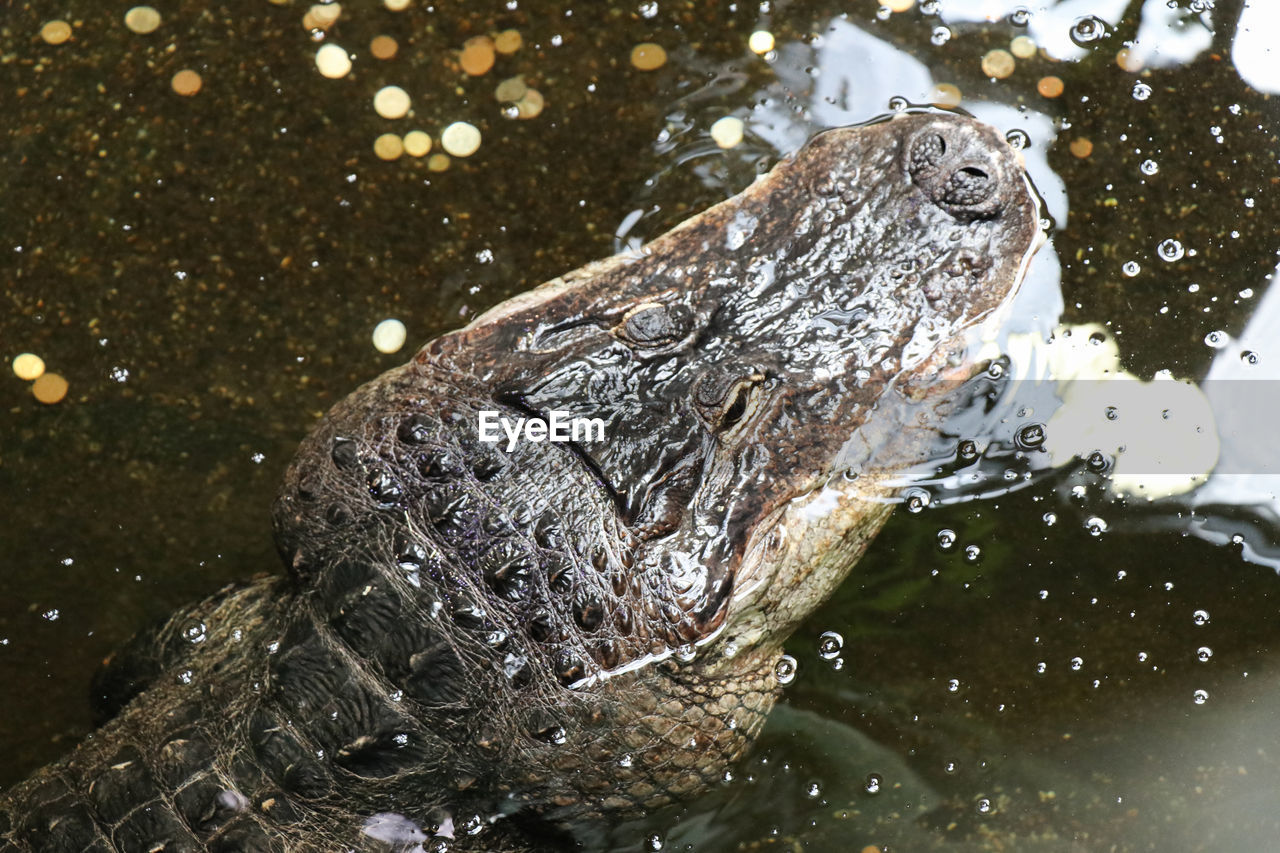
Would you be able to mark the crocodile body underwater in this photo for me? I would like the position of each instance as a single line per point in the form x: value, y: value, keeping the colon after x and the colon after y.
x: 480, y: 644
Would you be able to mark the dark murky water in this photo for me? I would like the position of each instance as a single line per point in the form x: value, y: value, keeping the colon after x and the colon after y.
x: 206, y: 271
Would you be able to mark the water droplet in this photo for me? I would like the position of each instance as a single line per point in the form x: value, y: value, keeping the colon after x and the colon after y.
x: 1216, y: 339
x: 917, y: 499
x: 1148, y: 167
x: 51, y: 614
x: 829, y: 645
x: 1141, y: 91
x: 984, y: 805
x: 1018, y: 139
x: 654, y: 843
x: 1200, y: 617
x: 1249, y: 357
x: 785, y: 670
x: 873, y: 783
x: 884, y: 13
x: 1020, y: 16
x: 686, y: 652
x: 940, y: 36
x: 1076, y: 663
x: 1087, y: 30
x: 946, y: 539
x: 1131, y: 268
x: 625, y: 760
x: 1170, y: 250
x: 1203, y: 654
x: 967, y: 450
x: 648, y: 10
x: 898, y: 103
x: 1200, y: 697
x: 930, y: 7
x: 972, y: 553
x: 1030, y: 437
x: 1095, y: 525
x: 510, y: 111
x: 996, y: 369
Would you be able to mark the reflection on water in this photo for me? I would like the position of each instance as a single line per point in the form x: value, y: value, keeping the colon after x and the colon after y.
x: 1011, y: 667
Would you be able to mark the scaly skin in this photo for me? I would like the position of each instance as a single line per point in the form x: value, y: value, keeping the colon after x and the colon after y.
x: 481, y: 648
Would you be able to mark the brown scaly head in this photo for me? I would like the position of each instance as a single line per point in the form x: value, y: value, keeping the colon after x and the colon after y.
x: 591, y: 624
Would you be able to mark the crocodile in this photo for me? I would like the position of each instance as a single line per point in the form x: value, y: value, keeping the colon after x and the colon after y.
x: 482, y: 644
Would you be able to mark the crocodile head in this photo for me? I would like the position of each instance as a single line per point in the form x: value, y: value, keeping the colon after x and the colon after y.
x: 742, y: 387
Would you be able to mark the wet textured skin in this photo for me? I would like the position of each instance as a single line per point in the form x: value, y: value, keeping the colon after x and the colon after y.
x: 512, y: 643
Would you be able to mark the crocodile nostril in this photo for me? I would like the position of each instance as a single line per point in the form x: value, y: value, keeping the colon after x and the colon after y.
x: 927, y: 152
x: 968, y: 186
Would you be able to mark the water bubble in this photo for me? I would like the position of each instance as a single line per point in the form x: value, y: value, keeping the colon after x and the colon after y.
x: 1076, y: 663
x: 1020, y: 16
x: 1018, y: 139
x: 1141, y: 91
x: 194, y: 633
x: 1049, y: 519
x: 1030, y: 437
x: 785, y: 670
x: 917, y: 499
x: 972, y: 553
x: 1203, y: 654
x: 1148, y: 167
x: 940, y: 36
x: 997, y: 369
x: 1111, y: 413
x: 1041, y: 668
x: 949, y: 767
x: 873, y: 783
x: 51, y: 615
x: 984, y: 805
x: 1200, y: 617
x: 1170, y: 250
x: 1088, y: 29
x: 1200, y: 697
x: 1249, y: 357
x: 953, y: 685
x: 946, y: 539
x: 967, y: 450
x: 898, y: 103
x: 829, y: 645
x: 1098, y: 462
x: 648, y: 10
x: 1095, y: 525
x: 813, y: 791
x: 654, y: 843
x: 1216, y: 339
x: 884, y: 13
x: 930, y: 7
x: 511, y: 111
x: 1131, y: 268
x: 625, y: 760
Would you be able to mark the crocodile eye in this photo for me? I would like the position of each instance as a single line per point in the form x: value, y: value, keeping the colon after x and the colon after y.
x: 725, y: 404
x: 652, y: 324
